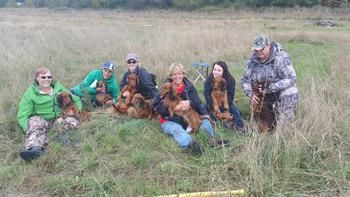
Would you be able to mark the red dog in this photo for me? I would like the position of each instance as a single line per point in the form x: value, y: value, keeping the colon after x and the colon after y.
x: 219, y: 97
x: 67, y: 107
x: 130, y: 89
x: 102, y: 97
x: 171, y: 100
x: 263, y: 111
x: 140, y: 108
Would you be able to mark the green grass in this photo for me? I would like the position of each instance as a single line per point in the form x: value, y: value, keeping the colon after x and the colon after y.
x: 119, y: 156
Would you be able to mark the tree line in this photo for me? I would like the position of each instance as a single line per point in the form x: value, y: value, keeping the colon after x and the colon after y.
x: 169, y: 4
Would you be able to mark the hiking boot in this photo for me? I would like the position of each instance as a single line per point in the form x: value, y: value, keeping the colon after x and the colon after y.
x: 195, y: 148
x: 31, y: 153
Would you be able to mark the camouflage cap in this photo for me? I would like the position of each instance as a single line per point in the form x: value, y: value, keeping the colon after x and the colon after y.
x: 260, y: 42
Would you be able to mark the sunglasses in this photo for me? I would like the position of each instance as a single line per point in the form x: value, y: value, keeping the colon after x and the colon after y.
x: 46, y: 77
x: 107, y: 70
x: 131, y: 62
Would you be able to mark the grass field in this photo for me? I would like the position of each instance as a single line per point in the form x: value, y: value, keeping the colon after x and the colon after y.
x: 118, y: 156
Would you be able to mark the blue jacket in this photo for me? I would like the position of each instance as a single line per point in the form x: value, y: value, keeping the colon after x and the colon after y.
x: 189, y: 93
x: 147, y: 87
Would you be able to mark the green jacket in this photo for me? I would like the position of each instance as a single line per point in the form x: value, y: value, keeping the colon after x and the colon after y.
x: 43, y: 105
x: 89, y: 84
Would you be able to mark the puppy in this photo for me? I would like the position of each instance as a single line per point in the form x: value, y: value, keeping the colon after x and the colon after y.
x: 219, y: 97
x: 140, y: 108
x: 130, y: 88
x: 68, y: 108
x: 102, y: 97
x: 171, y: 100
x: 263, y: 111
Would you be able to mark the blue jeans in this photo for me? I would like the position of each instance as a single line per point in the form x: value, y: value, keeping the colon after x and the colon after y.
x: 180, y: 135
x: 237, y: 119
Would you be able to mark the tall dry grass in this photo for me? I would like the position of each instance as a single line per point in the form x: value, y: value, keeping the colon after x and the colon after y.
x: 308, y: 157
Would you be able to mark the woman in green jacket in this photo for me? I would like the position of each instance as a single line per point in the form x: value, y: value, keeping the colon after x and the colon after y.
x: 38, y: 111
x: 88, y: 86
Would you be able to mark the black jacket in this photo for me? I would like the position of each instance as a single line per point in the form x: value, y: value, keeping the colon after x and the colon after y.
x: 208, y: 87
x: 147, y: 87
x: 189, y: 93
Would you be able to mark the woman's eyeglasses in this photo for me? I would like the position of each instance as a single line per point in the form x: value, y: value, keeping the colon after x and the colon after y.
x: 131, y: 62
x: 46, y: 77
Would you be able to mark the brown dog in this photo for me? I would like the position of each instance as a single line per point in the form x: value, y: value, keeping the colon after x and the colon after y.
x: 102, y: 97
x: 130, y: 88
x: 140, y: 108
x: 171, y: 100
x: 67, y: 107
x: 263, y: 111
x: 219, y: 97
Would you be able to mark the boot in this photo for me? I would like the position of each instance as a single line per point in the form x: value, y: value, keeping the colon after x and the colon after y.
x: 213, y: 142
x: 195, y: 148
x: 31, y: 153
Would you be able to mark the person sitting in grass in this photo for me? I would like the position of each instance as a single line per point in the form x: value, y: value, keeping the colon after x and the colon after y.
x: 176, y: 126
x: 147, y: 85
x: 270, y: 64
x: 88, y: 89
x: 220, y: 69
x: 38, y: 110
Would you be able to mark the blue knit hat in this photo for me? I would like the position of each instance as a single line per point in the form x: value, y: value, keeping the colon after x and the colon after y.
x: 108, y: 65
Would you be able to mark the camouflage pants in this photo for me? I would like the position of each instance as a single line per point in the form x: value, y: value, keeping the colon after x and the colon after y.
x: 286, y: 107
x: 37, y: 129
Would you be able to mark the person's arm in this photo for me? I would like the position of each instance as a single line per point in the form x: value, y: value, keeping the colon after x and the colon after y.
x: 246, y: 80
x: 207, y: 92
x: 25, y: 110
x: 159, y: 107
x: 89, y: 82
x: 195, y: 101
x: 147, y: 82
x: 230, y: 92
x: 286, y: 76
x: 114, y: 90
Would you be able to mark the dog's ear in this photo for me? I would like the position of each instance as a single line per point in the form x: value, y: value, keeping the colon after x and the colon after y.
x: 223, y: 85
x: 71, y: 97
x: 172, y: 92
x: 59, y: 99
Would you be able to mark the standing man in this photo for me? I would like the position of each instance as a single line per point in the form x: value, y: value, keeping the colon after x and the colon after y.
x: 270, y: 63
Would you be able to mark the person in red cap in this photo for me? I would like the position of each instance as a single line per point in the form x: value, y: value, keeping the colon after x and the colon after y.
x: 87, y: 88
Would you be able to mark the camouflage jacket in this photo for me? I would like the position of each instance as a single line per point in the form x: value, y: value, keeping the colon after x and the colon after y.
x: 277, y: 71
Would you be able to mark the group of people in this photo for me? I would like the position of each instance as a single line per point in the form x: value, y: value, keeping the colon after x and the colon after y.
x: 38, y: 109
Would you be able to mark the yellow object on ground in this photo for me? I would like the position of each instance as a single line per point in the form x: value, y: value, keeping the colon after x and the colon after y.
x: 209, y: 194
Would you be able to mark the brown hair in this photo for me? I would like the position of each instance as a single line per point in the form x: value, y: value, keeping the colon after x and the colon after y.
x: 176, y: 66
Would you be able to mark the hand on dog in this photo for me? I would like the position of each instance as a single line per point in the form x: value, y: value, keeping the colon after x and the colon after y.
x: 126, y: 94
x: 183, y: 106
x: 254, y: 99
x: 109, y: 102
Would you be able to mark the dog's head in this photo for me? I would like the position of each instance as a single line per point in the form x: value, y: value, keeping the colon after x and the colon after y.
x: 259, y: 87
x: 219, y: 84
x: 132, y: 80
x: 167, y: 90
x: 101, y: 84
x: 64, y: 99
x: 138, y: 100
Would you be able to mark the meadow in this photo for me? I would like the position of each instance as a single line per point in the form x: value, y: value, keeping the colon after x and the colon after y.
x: 118, y: 156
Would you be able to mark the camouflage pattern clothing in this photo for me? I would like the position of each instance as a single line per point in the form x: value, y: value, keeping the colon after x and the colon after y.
x: 280, y: 77
x: 36, y: 134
